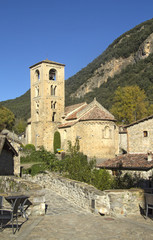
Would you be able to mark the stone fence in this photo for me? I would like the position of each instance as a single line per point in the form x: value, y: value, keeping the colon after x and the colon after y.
x: 17, y: 186
x: 108, y: 202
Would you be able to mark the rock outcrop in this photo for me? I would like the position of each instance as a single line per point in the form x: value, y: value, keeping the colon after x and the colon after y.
x: 113, y: 67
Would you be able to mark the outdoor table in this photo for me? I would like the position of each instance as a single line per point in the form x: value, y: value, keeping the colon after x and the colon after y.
x: 23, y: 201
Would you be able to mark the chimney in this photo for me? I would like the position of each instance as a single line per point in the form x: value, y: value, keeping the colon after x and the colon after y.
x: 149, y: 156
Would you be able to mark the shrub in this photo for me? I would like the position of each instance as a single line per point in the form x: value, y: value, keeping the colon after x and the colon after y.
x: 102, y: 179
x: 57, y: 141
x: 76, y: 165
x: 29, y: 148
x: 36, y: 169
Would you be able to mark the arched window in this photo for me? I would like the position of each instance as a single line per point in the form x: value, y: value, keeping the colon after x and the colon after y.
x: 106, y: 132
x: 65, y: 134
x: 52, y: 74
x: 53, y: 116
x: 52, y: 90
x: 37, y: 74
x: 36, y: 91
x: 54, y: 105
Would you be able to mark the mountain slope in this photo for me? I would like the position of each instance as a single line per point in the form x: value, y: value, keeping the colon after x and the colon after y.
x: 129, y: 48
x: 20, y: 106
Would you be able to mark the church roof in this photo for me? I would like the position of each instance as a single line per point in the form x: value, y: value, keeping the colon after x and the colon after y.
x: 85, y: 112
x: 74, y: 107
x: 47, y: 61
x: 74, y: 113
x: 97, y: 114
x: 67, y: 124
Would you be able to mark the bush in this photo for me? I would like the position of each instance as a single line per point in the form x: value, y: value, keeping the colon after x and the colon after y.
x: 102, y: 179
x: 76, y: 165
x: 127, y: 181
x: 29, y: 148
x: 36, y: 169
x: 57, y: 141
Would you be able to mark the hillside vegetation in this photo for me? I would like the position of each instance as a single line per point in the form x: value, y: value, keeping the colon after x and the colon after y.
x: 139, y: 72
x: 19, y: 106
x: 124, y: 46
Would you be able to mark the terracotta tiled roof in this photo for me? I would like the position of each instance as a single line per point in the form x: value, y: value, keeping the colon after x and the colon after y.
x: 97, y: 114
x: 71, y: 108
x: 74, y: 114
x: 68, y: 124
x: 128, y: 161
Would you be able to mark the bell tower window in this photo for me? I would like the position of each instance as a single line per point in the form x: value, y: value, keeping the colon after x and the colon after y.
x: 53, y: 116
x: 37, y: 74
x: 37, y: 91
x: 53, y: 105
x: 52, y: 90
x: 52, y: 74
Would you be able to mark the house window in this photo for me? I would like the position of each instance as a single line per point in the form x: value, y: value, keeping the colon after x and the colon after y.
x: 145, y: 133
x: 52, y: 74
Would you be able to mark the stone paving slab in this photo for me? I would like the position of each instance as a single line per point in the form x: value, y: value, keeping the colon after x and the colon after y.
x: 65, y: 221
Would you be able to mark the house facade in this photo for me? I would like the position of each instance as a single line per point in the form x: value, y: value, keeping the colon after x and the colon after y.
x: 92, y: 124
x: 140, y: 136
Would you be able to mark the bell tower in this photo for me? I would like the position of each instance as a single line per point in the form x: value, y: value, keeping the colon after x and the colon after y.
x: 47, y: 101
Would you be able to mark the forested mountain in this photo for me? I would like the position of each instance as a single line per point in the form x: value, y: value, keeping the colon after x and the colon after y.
x: 127, y: 61
x: 20, y: 106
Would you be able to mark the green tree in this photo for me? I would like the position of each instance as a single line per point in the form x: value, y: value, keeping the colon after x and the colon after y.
x: 129, y: 104
x: 76, y: 165
x: 7, y: 118
x: 20, y: 126
x: 102, y: 179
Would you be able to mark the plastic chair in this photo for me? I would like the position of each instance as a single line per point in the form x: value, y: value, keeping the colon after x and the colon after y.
x: 10, y: 215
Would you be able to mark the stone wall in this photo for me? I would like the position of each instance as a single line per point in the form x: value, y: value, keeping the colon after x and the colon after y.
x: 112, y: 202
x: 12, y: 186
x: 140, y: 137
x: 93, y: 133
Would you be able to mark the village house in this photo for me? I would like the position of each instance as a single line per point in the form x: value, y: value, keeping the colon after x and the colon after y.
x: 136, y: 142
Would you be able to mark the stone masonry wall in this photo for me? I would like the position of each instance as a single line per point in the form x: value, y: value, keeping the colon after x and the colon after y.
x: 110, y: 202
x: 137, y: 141
x: 12, y: 186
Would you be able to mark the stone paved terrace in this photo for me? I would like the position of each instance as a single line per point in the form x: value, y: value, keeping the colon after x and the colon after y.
x: 65, y: 221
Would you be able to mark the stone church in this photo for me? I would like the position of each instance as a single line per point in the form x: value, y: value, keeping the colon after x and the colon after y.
x: 92, y: 124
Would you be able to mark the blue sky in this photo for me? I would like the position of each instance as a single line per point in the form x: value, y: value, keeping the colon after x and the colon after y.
x: 73, y: 32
